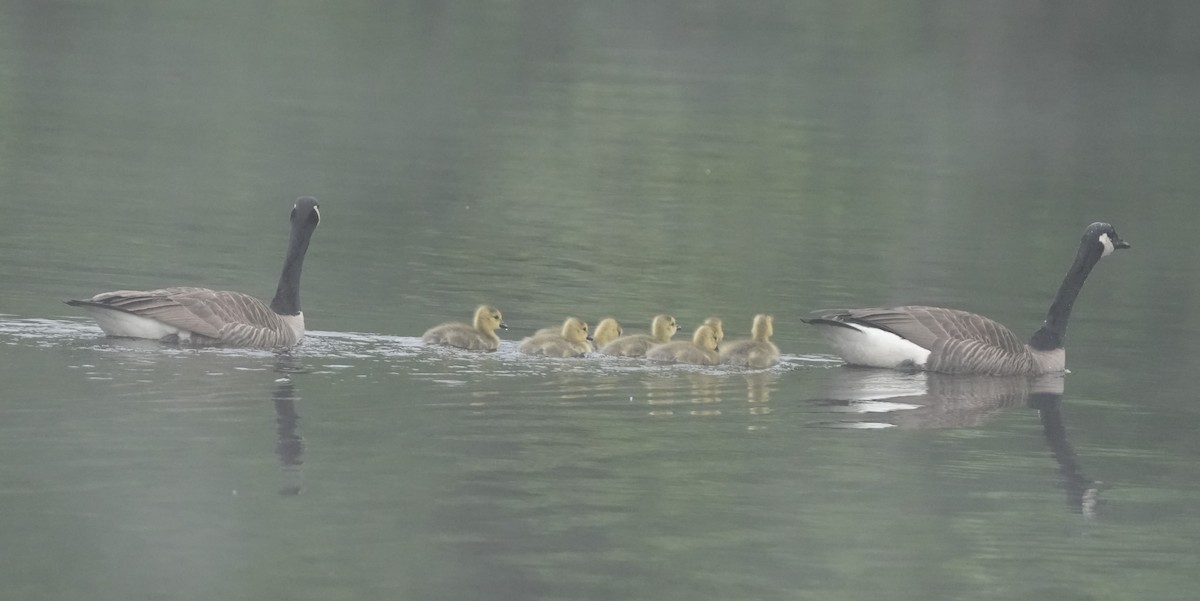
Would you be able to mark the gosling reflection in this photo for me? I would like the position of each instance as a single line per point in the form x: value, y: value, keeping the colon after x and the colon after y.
x: 705, y: 394
x: 884, y: 399
x: 692, y: 394
x: 758, y: 391
x: 289, y: 445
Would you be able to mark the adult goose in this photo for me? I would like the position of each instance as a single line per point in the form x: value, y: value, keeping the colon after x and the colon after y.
x: 957, y: 342
x: 203, y: 316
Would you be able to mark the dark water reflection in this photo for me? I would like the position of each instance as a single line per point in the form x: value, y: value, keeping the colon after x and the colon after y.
x: 290, y: 444
x: 1083, y: 493
x: 883, y: 399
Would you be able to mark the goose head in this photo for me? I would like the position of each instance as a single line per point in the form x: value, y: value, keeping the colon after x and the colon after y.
x: 718, y: 327
x: 606, y: 331
x: 763, y: 328
x: 488, y: 318
x: 575, y: 330
x: 305, y: 214
x: 705, y: 337
x: 663, y: 327
x: 1102, y: 237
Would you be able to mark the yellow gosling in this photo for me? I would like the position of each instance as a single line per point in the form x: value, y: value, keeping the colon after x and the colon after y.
x: 718, y: 327
x: 702, y: 350
x: 606, y: 331
x: 662, y: 328
x: 758, y: 352
x: 571, y: 341
x: 481, y: 336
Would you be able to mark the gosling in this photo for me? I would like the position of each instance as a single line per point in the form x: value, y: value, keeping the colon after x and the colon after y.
x: 662, y: 328
x: 715, y: 323
x: 571, y: 341
x: 606, y: 331
x: 478, y: 337
x: 702, y: 350
x: 758, y: 352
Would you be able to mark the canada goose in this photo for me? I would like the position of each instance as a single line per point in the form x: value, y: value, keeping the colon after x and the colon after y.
x: 662, y: 328
x: 718, y: 327
x: 952, y: 341
x: 758, y: 352
x: 701, y: 350
x: 571, y: 341
x: 203, y: 316
x: 479, y: 336
x: 606, y: 331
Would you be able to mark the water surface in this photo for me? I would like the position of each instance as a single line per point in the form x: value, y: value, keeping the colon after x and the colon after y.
x: 566, y: 158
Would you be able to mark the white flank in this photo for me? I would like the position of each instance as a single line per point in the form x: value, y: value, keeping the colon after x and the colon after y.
x: 128, y: 325
x: 873, y: 347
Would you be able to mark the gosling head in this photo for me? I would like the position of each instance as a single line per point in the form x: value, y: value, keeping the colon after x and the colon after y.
x: 718, y: 327
x: 663, y: 327
x: 575, y: 330
x: 606, y: 331
x: 763, y: 327
x: 705, y: 337
x: 488, y: 318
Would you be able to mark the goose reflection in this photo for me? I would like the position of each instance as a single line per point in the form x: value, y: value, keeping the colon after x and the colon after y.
x: 289, y: 444
x: 1083, y: 493
x: 924, y: 400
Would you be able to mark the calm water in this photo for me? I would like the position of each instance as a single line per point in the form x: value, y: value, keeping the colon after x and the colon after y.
x: 559, y: 158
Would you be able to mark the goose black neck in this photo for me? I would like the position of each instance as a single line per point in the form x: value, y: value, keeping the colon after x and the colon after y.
x: 287, y: 294
x: 1053, y: 333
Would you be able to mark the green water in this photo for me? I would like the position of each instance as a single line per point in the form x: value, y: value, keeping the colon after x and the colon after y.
x: 596, y: 159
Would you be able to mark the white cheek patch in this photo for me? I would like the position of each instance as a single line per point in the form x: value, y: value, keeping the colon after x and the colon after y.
x: 1108, y: 244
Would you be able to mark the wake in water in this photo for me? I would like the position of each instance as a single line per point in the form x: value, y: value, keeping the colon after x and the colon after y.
x: 362, y: 346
